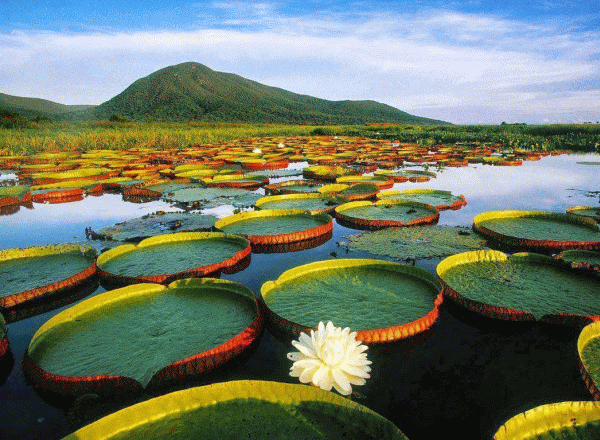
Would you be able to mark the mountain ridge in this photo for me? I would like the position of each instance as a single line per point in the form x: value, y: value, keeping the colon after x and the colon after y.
x: 192, y: 91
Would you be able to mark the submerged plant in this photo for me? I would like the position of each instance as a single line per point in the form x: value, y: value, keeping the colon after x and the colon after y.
x: 330, y: 357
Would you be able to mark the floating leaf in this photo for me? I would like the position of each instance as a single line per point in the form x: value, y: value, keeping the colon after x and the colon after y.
x: 385, y: 214
x: 381, y: 300
x: 154, y: 224
x: 524, y: 286
x: 415, y: 243
x: 143, y: 335
x: 560, y: 421
x: 244, y: 410
x: 538, y: 230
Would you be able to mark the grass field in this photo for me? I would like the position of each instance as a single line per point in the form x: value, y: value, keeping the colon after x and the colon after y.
x: 37, y: 137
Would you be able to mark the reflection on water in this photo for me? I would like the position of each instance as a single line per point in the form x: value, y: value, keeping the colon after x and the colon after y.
x: 469, y: 376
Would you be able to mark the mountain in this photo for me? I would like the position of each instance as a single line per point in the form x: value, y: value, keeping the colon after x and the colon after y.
x: 192, y: 91
x: 32, y: 107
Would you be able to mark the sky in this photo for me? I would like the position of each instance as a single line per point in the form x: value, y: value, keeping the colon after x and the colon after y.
x: 465, y: 62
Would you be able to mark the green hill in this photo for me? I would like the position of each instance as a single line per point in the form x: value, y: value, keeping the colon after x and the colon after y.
x: 192, y: 91
x: 32, y: 107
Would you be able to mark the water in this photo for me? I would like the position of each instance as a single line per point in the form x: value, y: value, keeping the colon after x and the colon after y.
x: 466, y: 376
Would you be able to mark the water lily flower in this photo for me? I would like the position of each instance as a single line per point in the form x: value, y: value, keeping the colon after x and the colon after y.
x: 330, y: 357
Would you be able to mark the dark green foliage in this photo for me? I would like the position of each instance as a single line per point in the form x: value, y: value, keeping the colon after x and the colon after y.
x: 36, y: 107
x: 192, y: 91
x: 10, y: 119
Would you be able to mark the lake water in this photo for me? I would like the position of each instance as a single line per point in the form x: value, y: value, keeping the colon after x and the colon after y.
x: 468, y: 376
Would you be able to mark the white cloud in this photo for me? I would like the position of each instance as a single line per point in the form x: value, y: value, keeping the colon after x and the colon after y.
x: 420, y: 61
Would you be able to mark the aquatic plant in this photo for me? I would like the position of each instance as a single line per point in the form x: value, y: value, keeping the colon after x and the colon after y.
x: 415, y: 243
x: 330, y: 357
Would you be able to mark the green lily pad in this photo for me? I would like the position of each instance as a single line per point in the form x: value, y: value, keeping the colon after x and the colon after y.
x: 154, y: 224
x: 141, y: 332
x: 581, y: 259
x: 524, y: 286
x: 416, y: 243
x: 171, y: 256
x: 439, y: 199
x: 539, y: 230
x: 271, y: 222
x: 586, y: 211
x: 293, y: 187
x: 385, y: 213
x: 312, y: 202
x: 244, y: 410
x: 17, y: 191
x: 376, y: 298
x: 560, y: 421
x: 35, y: 271
x: 588, y: 345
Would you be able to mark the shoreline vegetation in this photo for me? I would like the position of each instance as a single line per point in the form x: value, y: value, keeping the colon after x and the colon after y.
x: 31, y: 137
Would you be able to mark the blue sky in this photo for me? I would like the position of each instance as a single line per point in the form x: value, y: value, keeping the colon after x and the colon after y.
x: 465, y: 62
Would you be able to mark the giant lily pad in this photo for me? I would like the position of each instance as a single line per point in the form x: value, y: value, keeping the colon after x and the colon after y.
x: 201, y: 197
x: 43, y: 272
x: 313, y: 202
x: 581, y: 259
x: 538, y: 230
x: 247, y: 181
x: 441, y: 200
x: 157, y: 223
x: 525, y: 286
x: 588, y: 345
x: 168, y: 257
x: 383, y: 301
x: 385, y: 214
x: 293, y: 187
x: 244, y: 409
x: 269, y: 229
x: 350, y: 193
x: 586, y: 211
x: 329, y: 173
x: 564, y: 420
x: 415, y: 243
x: 143, y: 335
x: 382, y: 182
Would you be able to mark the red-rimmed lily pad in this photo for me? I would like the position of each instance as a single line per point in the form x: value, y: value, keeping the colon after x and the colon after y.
x: 538, y: 231
x: 522, y: 287
x: 586, y: 211
x: 441, y: 200
x: 168, y: 257
x: 581, y: 259
x: 328, y: 173
x: 245, y: 409
x: 43, y: 273
x: 563, y: 420
x: 382, y: 182
x: 588, y: 346
x: 143, y: 336
x: 293, y: 187
x: 247, y: 181
x: 272, y: 230
x: 350, y: 193
x: 313, y: 202
x: 383, y: 301
x: 385, y: 214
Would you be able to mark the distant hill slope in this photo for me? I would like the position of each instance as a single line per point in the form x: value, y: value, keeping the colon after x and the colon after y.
x: 31, y: 107
x: 192, y: 91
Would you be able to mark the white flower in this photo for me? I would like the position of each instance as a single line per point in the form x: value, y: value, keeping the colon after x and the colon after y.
x: 330, y: 357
